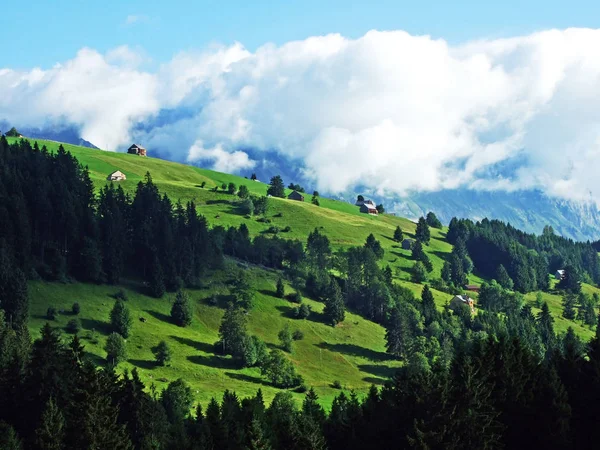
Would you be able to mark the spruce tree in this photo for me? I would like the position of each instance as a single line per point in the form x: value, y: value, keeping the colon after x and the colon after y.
x: 545, y: 325
x: 242, y: 290
x: 285, y: 338
x: 280, y: 288
x: 422, y: 234
x: 432, y: 220
x: 276, y: 187
x: 162, y: 353
x: 50, y: 433
x: 182, y: 311
x: 120, y: 319
x: 568, y: 303
x: 398, y: 235
x: 335, y: 310
x: 116, y: 350
x: 428, y: 307
x: 503, y: 278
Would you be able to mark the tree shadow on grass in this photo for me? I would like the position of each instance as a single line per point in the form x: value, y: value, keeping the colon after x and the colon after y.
x: 286, y: 311
x: 144, y: 364
x: 247, y: 378
x: 218, y: 202
x: 355, y: 350
x: 159, y: 316
x: 215, y: 361
x: 379, y: 371
x: 374, y: 380
x: 200, y: 346
x: 268, y: 293
x: 96, y: 325
x: 442, y: 255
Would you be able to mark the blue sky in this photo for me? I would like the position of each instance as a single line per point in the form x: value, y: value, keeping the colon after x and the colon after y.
x: 42, y: 32
x: 519, y: 113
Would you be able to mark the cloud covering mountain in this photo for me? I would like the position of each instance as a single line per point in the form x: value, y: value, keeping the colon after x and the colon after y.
x: 390, y: 112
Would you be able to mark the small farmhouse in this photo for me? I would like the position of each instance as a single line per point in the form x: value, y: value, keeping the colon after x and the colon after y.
x: 295, y: 195
x: 368, y: 208
x: 472, y: 287
x: 407, y: 244
x: 560, y: 274
x: 117, y: 175
x: 136, y: 149
x: 462, y: 300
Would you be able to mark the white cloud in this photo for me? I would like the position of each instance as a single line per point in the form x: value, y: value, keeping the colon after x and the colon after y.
x: 221, y: 160
x: 389, y: 111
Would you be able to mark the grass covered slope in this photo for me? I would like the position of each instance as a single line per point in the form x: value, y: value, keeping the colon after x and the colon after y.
x: 353, y: 352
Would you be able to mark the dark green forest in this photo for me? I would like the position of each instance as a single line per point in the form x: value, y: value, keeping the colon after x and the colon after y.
x: 500, y: 379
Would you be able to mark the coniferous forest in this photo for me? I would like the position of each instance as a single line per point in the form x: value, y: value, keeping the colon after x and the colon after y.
x: 500, y: 379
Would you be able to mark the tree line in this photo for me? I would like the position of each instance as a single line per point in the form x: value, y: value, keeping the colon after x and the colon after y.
x: 499, y: 250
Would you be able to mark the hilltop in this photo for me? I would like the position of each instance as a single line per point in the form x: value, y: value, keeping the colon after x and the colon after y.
x: 352, y: 353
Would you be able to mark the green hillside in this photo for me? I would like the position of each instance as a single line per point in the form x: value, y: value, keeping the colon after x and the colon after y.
x: 353, y: 352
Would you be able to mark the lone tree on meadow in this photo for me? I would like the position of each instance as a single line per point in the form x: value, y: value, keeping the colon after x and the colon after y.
x: 231, y: 188
x: 182, y: 311
x: 422, y: 234
x: 276, y: 187
x: 335, y: 310
x: 242, y: 291
x: 162, y: 353
x: 120, y: 319
x: 116, y: 350
x: 286, y: 338
x: 398, y: 235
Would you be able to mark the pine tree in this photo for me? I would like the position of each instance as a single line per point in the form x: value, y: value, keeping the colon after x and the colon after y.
x: 243, y: 192
x: 422, y: 234
x: 280, y: 288
x: 398, y: 235
x: 397, y: 335
x: 375, y: 246
x: 182, y: 311
x: 9, y: 440
x: 51, y: 432
x: 120, y: 319
x: 419, y: 272
x: 335, y: 310
x: 256, y: 439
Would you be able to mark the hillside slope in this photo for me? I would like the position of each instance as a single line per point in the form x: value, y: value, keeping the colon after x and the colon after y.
x: 352, y: 353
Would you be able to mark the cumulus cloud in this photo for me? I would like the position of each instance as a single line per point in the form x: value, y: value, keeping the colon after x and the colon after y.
x: 220, y: 159
x: 388, y: 111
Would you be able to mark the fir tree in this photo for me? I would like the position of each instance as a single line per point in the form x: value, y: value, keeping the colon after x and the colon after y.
x: 545, y: 325
x: 432, y: 220
x: 242, y: 291
x: 335, y: 310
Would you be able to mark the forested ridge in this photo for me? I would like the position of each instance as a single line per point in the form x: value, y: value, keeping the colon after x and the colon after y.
x: 499, y: 379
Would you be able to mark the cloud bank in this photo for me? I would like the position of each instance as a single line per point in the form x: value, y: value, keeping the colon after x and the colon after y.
x: 391, y: 112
